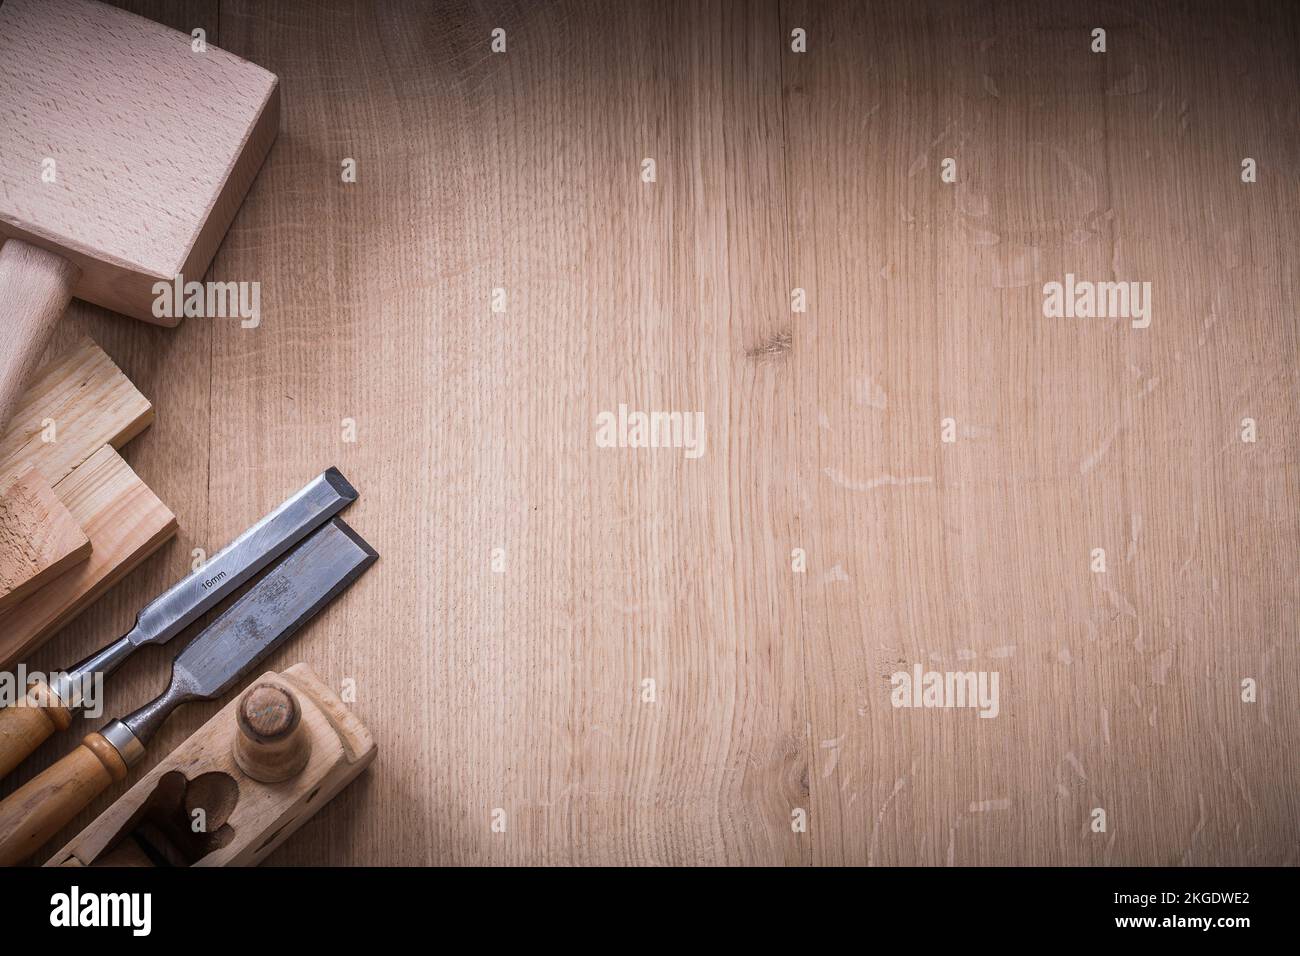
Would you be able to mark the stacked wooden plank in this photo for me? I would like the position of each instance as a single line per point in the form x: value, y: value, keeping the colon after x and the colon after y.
x: 39, y: 538
x: 74, y: 517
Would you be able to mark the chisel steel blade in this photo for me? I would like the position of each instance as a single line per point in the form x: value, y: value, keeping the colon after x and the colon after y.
x: 220, y: 576
x: 273, y: 609
x: 301, y: 585
x: 188, y: 600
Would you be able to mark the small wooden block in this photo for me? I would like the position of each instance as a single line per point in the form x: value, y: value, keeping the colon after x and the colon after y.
x: 246, y: 820
x: 125, y: 523
x: 72, y: 408
x: 39, y: 538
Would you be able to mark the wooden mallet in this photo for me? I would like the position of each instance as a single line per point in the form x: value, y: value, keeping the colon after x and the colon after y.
x: 126, y: 150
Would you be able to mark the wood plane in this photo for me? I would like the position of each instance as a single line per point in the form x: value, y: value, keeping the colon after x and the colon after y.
x: 239, y: 786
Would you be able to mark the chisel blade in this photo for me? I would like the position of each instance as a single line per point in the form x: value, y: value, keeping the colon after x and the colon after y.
x: 275, y: 607
x: 223, y: 574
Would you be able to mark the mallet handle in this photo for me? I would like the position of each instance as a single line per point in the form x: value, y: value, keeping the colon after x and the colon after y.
x: 35, y: 287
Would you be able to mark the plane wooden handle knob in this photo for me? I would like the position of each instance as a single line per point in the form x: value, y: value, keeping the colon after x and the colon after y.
x: 45, y: 804
x: 25, y: 727
x: 271, y: 744
x: 35, y: 287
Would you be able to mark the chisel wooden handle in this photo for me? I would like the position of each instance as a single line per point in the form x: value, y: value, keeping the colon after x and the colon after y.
x: 35, y: 286
x: 24, y: 728
x: 45, y: 804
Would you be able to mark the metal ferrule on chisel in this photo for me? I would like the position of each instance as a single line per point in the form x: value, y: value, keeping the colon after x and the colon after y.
x: 189, y: 599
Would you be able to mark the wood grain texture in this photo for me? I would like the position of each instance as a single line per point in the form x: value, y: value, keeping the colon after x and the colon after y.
x: 153, y: 143
x: 775, y: 170
x: 39, y: 538
x: 125, y: 523
x: 73, y: 407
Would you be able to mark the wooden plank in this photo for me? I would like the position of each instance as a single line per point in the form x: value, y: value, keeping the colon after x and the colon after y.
x: 74, y: 406
x: 39, y: 538
x: 125, y: 522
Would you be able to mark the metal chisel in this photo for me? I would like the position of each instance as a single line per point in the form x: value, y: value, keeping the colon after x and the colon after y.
x: 47, y: 708
x: 255, y: 625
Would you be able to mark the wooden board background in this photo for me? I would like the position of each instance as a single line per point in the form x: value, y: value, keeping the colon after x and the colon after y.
x: 522, y: 690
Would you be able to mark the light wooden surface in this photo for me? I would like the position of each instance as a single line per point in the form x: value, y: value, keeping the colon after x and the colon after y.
x: 153, y: 144
x: 522, y: 690
x: 39, y: 539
